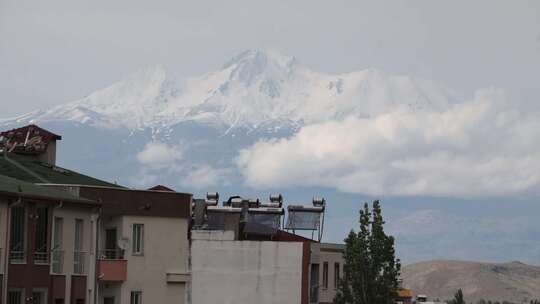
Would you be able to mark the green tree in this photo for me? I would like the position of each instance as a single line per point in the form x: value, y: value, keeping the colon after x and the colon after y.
x: 458, y: 298
x: 371, y: 270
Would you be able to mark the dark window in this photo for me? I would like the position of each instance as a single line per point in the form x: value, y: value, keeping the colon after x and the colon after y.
x: 17, y: 236
x: 38, y: 297
x: 325, y: 275
x: 58, y: 301
x: 15, y: 297
x: 136, y: 297
x: 111, y: 245
x: 108, y: 300
x: 336, y: 275
x: 138, y: 239
x: 57, y: 252
x: 78, y: 255
x: 42, y: 222
x: 314, y: 284
x: 79, y: 301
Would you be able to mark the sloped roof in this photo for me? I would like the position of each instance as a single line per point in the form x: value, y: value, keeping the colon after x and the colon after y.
x: 30, y: 170
x: 161, y: 188
x: 13, y: 187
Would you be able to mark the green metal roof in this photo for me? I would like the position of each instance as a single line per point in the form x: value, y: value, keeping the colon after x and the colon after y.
x: 28, y: 169
x: 14, y: 187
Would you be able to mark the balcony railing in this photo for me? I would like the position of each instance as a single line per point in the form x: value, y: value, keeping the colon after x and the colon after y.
x: 79, y: 262
x: 111, y: 254
x: 41, y: 257
x: 57, y: 261
x: 17, y: 256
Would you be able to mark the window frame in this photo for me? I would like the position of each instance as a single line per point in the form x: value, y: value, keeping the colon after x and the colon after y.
x: 137, y: 241
x: 23, y: 235
x: 325, y: 275
x: 337, y: 274
x: 21, y: 292
x: 135, y: 297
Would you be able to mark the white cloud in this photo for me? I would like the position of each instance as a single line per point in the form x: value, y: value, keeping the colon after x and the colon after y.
x: 481, y: 147
x: 204, y: 176
x: 157, y: 155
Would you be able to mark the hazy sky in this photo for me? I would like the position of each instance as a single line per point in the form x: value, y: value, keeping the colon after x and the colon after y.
x: 58, y: 51
x: 52, y: 52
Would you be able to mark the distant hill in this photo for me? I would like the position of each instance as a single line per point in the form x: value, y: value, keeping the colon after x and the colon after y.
x: 515, y: 281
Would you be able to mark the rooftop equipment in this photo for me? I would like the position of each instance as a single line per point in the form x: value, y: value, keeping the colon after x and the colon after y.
x: 212, y: 198
x: 307, y: 218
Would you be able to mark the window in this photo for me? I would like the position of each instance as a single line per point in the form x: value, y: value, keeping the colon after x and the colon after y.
x: 325, y: 275
x: 17, y: 235
x: 15, y: 296
x: 78, y: 254
x: 108, y: 300
x: 138, y: 239
x: 336, y: 275
x: 41, y: 254
x: 136, y: 297
x: 57, y: 252
x: 314, y: 284
x: 39, y: 296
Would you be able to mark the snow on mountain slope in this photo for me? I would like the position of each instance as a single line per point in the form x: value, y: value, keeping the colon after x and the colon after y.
x: 255, y: 89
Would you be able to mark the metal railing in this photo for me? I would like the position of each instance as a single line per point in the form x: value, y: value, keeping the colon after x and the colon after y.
x: 57, y: 261
x: 79, y: 262
x: 111, y: 254
x: 17, y: 256
x: 41, y: 257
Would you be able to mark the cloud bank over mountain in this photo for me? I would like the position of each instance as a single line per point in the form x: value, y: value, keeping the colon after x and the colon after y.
x: 479, y: 147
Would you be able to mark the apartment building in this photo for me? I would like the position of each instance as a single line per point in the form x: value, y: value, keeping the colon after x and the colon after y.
x: 326, y: 271
x: 241, y: 252
x: 134, y: 248
x: 47, y: 244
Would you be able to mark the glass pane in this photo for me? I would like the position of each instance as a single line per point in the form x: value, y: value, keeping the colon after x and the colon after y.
x: 303, y: 220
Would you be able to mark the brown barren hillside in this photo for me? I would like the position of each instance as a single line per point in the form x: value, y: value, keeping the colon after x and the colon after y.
x: 515, y: 281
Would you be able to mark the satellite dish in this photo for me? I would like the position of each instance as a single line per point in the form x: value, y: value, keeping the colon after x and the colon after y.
x: 123, y: 243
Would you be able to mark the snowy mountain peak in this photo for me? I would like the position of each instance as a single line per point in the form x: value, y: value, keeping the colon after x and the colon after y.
x: 259, y: 59
x: 254, y: 89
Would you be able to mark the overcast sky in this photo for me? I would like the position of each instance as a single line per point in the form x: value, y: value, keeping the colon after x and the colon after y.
x: 53, y: 52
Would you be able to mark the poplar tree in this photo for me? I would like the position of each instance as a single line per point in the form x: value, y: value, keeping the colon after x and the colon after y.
x: 371, y: 270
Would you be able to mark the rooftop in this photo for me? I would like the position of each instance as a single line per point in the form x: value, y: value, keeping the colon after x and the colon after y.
x: 17, y: 188
x: 31, y: 170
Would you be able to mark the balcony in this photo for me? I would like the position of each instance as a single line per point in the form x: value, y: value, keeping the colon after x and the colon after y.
x: 17, y: 256
x: 57, y: 261
x: 112, y: 266
x: 41, y: 257
x: 79, y: 262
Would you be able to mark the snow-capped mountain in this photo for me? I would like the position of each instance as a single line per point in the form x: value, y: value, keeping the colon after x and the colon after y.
x: 255, y: 90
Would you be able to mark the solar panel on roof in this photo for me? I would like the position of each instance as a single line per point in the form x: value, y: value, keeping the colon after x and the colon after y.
x: 303, y: 220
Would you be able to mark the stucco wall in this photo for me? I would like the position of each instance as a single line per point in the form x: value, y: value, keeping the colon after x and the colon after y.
x: 331, y: 254
x: 226, y: 271
x: 166, y: 250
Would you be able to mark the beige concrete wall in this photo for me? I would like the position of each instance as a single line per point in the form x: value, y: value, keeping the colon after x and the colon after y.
x: 166, y: 250
x: 330, y: 253
x: 231, y: 272
x: 69, y: 214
